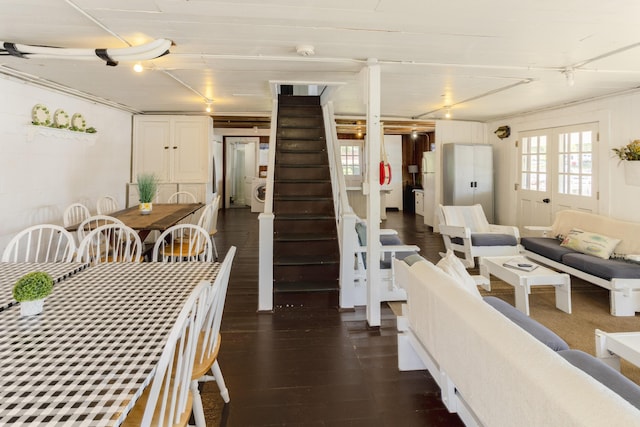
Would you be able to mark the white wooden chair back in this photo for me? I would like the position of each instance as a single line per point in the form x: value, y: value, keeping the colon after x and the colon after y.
x: 183, y: 242
x: 41, y: 243
x: 209, y: 219
x: 182, y: 197
x: 75, y: 214
x: 106, y: 205
x: 110, y: 243
x: 168, y: 401
x: 94, y: 222
x: 211, y: 327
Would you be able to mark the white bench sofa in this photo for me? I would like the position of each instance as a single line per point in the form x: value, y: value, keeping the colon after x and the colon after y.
x: 621, y: 278
x: 491, y: 371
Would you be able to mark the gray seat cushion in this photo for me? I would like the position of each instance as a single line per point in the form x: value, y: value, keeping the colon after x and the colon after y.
x: 604, y: 268
x: 489, y: 239
x: 540, y: 332
x: 608, y: 376
x: 546, y: 246
x: 413, y: 258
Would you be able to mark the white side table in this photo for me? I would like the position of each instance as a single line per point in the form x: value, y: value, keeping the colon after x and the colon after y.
x: 522, y: 281
x: 610, y: 347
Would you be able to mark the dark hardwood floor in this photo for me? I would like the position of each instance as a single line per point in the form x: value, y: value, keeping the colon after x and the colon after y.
x: 316, y: 367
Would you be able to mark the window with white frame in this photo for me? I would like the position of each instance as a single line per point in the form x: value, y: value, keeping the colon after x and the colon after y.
x: 352, y: 160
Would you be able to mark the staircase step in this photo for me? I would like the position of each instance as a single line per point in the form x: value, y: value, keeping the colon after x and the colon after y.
x: 312, y: 121
x: 304, y: 237
x: 307, y: 260
x: 312, y: 100
x: 314, y: 286
x: 321, y: 248
x: 305, y: 299
x: 302, y: 158
x: 301, y: 172
x: 301, y: 144
x: 305, y: 272
x: 304, y: 188
x: 314, y: 134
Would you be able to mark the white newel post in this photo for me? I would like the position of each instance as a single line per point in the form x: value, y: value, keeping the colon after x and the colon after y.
x: 347, y: 273
x: 265, y: 263
x: 372, y: 186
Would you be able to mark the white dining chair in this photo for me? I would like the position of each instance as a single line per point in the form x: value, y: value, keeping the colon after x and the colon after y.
x: 167, y: 401
x: 209, y: 219
x: 41, y: 243
x: 75, y: 214
x: 110, y: 243
x: 209, y: 342
x: 94, y: 222
x: 183, y: 242
x: 106, y: 205
x: 182, y: 197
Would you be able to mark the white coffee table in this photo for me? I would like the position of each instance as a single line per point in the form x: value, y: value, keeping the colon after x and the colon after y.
x: 522, y: 281
x: 610, y: 347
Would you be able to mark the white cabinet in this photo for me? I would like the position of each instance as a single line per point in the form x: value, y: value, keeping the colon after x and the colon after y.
x: 174, y: 148
x: 468, y: 176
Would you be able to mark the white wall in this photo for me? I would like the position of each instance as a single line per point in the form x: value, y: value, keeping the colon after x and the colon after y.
x: 39, y: 178
x: 618, y: 125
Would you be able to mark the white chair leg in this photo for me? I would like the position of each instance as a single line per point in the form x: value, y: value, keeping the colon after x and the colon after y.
x: 198, y: 410
x: 215, y: 250
x: 217, y: 373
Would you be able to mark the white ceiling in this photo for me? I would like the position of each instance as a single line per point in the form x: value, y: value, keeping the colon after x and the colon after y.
x: 487, y: 59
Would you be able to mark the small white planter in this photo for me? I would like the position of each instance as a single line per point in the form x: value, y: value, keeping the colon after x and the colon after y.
x: 31, y: 308
x: 632, y: 172
x: 145, y: 208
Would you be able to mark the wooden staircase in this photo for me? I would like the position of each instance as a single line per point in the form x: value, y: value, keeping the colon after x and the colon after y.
x: 306, y: 259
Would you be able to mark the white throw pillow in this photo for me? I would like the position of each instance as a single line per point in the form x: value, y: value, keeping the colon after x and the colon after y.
x: 590, y: 243
x: 452, y: 265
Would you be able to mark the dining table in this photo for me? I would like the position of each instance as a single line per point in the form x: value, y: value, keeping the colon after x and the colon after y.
x: 10, y: 272
x: 161, y: 217
x: 88, y: 357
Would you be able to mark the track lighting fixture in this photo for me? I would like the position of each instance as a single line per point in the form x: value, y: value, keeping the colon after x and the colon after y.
x: 208, y: 102
x: 138, y: 67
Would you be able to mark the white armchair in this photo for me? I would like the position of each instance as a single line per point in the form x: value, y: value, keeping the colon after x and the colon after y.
x: 465, y: 230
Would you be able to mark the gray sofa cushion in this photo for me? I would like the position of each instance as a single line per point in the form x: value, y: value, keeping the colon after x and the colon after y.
x: 542, y: 333
x: 608, y: 376
x: 390, y: 240
x: 489, y: 239
x: 604, y: 268
x: 546, y: 246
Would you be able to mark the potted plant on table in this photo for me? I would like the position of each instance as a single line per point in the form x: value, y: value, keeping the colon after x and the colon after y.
x: 630, y: 154
x: 147, y: 188
x: 31, y: 290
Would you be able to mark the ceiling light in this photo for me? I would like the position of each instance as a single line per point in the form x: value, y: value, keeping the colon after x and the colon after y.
x: 208, y: 102
x: 111, y: 57
x: 414, y: 134
x: 448, y: 113
x: 138, y: 67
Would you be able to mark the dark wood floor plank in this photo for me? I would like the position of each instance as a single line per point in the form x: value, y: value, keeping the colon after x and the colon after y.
x: 316, y: 367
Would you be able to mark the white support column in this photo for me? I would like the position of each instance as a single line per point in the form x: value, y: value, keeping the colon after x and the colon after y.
x: 373, y: 201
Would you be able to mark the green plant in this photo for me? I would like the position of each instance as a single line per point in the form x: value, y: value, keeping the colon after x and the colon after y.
x: 631, y: 151
x: 91, y: 130
x: 33, y: 286
x: 147, y: 187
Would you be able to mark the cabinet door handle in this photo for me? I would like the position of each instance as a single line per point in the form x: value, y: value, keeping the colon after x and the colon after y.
x: 175, y: 147
x: 166, y: 148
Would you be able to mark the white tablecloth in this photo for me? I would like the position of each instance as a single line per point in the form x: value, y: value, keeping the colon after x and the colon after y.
x: 88, y: 357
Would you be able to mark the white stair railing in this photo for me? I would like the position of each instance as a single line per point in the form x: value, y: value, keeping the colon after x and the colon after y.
x: 345, y: 217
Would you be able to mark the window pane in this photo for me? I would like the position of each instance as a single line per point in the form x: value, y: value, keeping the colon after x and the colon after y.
x: 534, y: 145
x: 542, y: 145
x: 574, y: 163
x: 586, y: 163
x: 575, y: 142
x: 542, y: 182
x: 586, y: 186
